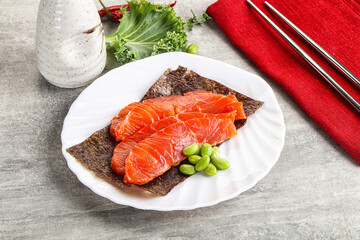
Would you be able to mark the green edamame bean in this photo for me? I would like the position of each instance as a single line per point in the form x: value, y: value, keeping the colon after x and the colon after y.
x: 187, y: 169
x: 220, y: 163
x: 191, y: 149
x: 215, y: 152
x: 197, y: 152
x: 202, y: 163
x: 206, y: 150
x: 194, y: 159
x: 210, y: 170
x: 192, y: 48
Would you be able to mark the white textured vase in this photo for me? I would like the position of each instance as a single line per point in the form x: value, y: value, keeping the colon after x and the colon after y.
x: 70, y: 42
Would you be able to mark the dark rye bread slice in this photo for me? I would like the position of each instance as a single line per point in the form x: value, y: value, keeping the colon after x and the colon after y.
x: 95, y: 152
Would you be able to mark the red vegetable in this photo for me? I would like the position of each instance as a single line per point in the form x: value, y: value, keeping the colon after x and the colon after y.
x: 116, y: 15
x: 173, y: 4
x: 113, y: 13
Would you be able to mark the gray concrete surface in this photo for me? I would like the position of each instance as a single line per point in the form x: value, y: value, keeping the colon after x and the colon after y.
x: 312, y: 192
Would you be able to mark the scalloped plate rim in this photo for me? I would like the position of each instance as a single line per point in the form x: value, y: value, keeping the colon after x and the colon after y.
x: 171, y: 55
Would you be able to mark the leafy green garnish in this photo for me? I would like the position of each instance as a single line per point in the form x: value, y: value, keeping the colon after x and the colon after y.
x: 147, y: 29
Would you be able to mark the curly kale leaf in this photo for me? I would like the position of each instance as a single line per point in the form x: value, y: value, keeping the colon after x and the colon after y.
x: 147, y: 29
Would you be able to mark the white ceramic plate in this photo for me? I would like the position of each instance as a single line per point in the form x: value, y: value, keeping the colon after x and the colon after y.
x: 252, y: 153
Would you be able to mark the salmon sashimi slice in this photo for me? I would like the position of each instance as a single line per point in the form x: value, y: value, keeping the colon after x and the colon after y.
x: 117, y: 120
x: 206, y: 92
x: 147, y: 113
x: 156, y: 154
x: 123, y: 149
x: 236, y: 105
x: 161, y: 98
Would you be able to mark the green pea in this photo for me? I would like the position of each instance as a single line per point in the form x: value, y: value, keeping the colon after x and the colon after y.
x: 194, y: 159
x: 206, y: 150
x: 202, y: 163
x: 215, y: 152
x: 210, y: 170
x: 192, y: 48
x: 220, y: 163
x: 187, y: 169
x: 191, y: 149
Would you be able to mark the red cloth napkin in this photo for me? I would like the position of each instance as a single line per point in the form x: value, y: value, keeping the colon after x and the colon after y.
x: 334, y: 24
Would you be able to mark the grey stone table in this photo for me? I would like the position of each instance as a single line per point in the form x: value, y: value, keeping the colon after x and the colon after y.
x: 313, y: 192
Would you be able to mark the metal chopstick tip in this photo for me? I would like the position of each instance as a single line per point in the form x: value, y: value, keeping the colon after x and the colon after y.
x: 251, y: 3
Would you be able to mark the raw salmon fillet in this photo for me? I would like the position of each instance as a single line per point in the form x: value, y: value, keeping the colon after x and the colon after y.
x: 162, y: 98
x: 117, y: 120
x: 123, y: 149
x: 205, y: 102
x: 156, y: 154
